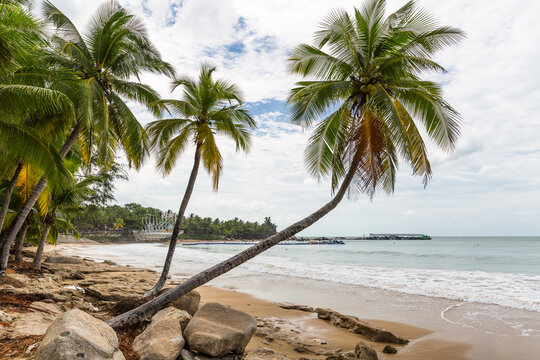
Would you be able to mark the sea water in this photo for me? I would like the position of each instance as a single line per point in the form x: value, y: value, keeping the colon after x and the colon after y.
x: 493, y: 272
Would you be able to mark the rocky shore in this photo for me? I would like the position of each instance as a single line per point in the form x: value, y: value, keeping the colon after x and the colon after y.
x: 59, y: 313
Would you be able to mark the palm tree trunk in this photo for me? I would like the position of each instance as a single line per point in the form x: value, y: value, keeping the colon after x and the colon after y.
x: 9, y: 235
x: 36, y: 264
x: 6, y: 199
x: 148, y: 309
x: 176, y: 230
x: 20, y: 241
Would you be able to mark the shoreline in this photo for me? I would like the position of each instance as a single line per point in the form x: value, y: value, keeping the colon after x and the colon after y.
x: 423, y: 344
x: 491, y: 341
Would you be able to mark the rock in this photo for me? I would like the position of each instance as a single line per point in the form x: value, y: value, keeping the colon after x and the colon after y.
x: 64, y: 260
x: 48, y: 307
x: 356, y: 326
x: 264, y: 354
x: 364, y: 352
x: 30, y: 324
x: 77, y: 335
x: 389, y: 349
x: 162, y: 339
x: 297, y: 307
x: 114, y: 291
x: 188, y: 355
x: 5, y: 318
x: 189, y: 302
x: 217, y: 330
x: 337, y: 355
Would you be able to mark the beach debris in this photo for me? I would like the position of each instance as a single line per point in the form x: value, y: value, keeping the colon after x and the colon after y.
x: 74, y: 287
x: 5, y: 318
x: 365, y: 352
x: 78, y: 335
x: 389, y: 349
x: 189, y: 302
x: 162, y: 339
x: 218, y: 330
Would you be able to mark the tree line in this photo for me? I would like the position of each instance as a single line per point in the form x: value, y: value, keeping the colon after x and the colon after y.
x: 134, y: 216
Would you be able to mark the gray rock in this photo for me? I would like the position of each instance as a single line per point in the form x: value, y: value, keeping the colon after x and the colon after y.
x: 389, y: 349
x: 189, y: 302
x: 78, y: 335
x: 162, y: 339
x: 64, y: 260
x: 188, y: 355
x: 217, y: 330
x: 356, y: 326
x: 264, y: 354
x: 365, y: 352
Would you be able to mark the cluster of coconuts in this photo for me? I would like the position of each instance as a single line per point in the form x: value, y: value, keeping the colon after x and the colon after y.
x: 366, y: 87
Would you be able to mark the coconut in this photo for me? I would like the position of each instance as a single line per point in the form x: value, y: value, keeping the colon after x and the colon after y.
x: 363, y: 89
x: 365, y: 80
x: 371, y: 89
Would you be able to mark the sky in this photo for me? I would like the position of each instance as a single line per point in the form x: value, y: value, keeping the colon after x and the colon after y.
x: 490, y: 184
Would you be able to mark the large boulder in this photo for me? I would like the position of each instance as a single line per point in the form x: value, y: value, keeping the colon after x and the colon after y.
x: 189, y: 302
x: 217, y: 330
x: 365, y: 352
x: 162, y: 339
x: 78, y: 335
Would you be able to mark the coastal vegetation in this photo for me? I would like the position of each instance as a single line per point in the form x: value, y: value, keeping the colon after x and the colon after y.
x: 64, y: 119
x: 88, y: 75
x: 207, y: 107
x: 362, y: 94
x: 93, y: 218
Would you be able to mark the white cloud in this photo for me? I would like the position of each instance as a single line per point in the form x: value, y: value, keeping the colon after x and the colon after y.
x: 489, y: 185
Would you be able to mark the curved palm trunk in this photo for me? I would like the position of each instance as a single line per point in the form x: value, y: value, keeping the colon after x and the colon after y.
x: 148, y: 309
x: 176, y: 230
x: 11, y: 232
x: 36, y: 263
x: 20, y: 241
x: 6, y: 199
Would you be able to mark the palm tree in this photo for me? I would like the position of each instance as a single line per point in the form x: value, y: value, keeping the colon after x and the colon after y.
x: 206, y: 108
x: 114, y: 48
x: 365, y: 74
x: 63, y: 204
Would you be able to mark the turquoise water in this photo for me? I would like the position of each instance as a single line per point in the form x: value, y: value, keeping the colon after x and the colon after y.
x: 502, y: 271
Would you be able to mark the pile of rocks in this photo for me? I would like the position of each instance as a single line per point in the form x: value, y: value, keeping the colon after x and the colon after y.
x: 215, y: 330
x: 66, y: 306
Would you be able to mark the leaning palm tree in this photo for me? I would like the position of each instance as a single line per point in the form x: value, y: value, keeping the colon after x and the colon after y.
x: 114, y: 49
x: 365, y: 92
x: 207, y: 107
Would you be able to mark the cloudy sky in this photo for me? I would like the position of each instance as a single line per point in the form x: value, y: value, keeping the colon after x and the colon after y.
x: 489, y: 186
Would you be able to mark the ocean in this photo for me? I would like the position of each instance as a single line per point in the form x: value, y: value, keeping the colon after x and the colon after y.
x: 484, y: 283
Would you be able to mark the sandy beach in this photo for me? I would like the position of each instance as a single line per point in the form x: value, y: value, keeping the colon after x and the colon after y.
x: 434, y: 326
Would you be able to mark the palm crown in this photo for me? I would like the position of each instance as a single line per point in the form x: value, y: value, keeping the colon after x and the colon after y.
x: 114, y: 48
x: 367, y: 89
x: 206, y: 108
